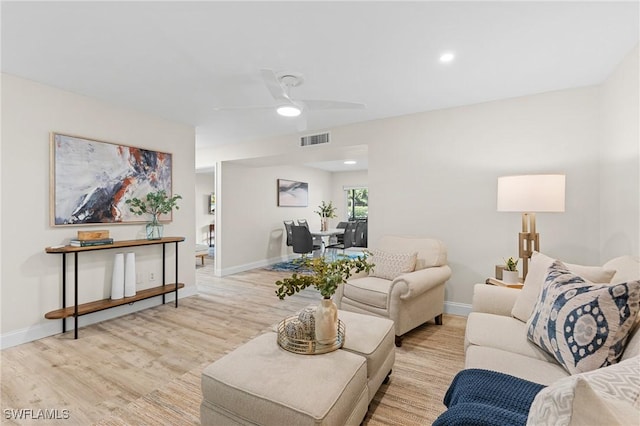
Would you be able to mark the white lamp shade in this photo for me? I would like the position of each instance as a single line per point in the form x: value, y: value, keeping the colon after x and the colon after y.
x: 531, y: 193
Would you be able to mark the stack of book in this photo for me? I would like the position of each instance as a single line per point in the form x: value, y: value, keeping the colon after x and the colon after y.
x: 91, y: 238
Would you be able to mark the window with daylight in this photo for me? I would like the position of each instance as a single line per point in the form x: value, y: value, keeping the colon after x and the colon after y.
x: 357, y: 203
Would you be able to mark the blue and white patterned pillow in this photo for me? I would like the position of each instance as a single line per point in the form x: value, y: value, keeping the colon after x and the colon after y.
x: 583, y: 325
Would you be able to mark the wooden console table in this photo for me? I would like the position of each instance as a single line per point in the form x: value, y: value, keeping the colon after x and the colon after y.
x: 78, y: 310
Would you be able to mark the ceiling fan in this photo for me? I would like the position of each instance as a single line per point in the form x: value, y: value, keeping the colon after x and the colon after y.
x: 280, y: 84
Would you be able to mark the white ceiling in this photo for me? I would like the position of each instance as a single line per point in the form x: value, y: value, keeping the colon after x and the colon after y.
x: 181, y: 60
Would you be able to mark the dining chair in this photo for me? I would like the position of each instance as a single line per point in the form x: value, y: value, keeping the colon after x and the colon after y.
x: 302, y: 240
x: 349, y: 238
x: 316, y: 240
x: 361, y: 234
x: 340, y: 237
x: 287, y: 226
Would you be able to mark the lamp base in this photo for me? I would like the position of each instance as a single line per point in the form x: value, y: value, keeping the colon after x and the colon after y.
x: 528, y: 241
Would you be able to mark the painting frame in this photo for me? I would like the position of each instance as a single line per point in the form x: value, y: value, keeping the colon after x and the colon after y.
x: 90, y: 180
x: 292, y: 193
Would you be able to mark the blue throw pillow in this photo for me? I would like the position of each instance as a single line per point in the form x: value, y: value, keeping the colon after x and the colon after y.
x: 583, y: 325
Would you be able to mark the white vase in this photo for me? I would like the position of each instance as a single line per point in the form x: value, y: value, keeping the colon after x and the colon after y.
x: 324, y: 224
x: 510, y: 277
x: 326, y: 319
x: 117, y: 279
x: 130, y: 275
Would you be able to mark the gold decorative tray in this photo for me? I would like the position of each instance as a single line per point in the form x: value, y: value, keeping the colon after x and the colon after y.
x: 308, y: 347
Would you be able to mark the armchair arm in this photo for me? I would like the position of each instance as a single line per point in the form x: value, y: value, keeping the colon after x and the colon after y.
x: 414, y: 283
x: 493, y: 299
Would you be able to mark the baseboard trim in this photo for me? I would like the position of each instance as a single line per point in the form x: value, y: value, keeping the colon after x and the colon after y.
x: 253, y: 265
x: 455, y: 308
x: 51, y: 328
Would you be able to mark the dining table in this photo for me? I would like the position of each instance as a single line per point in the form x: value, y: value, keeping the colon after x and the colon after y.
x: 331, y: 232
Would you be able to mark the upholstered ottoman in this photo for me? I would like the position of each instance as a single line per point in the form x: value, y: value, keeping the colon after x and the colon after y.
x: 261, y: 383
x: 373, y: 338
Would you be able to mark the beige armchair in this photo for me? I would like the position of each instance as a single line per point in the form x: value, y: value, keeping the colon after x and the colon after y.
x: 406, y: 285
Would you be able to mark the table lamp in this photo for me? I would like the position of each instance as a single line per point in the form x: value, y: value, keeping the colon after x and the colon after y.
x: 530, y: 194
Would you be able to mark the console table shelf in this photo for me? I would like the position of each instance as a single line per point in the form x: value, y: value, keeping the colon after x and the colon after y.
x: 99, y: 305
x: 116, y: 244
x: 77, y: 310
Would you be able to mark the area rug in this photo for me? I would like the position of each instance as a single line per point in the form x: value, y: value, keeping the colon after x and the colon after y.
x: 294, y: 265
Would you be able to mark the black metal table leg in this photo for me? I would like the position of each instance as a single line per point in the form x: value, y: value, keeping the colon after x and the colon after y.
x: 164, y: 280
x: 75, y: 296
x: 176, y: 274
x: 64, y: 289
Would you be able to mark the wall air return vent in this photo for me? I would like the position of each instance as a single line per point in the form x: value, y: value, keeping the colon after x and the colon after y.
x: 314, y: 139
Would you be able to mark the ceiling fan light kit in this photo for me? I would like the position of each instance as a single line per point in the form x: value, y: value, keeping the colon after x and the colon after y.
x: 279, y: 86
x: 288, y: 111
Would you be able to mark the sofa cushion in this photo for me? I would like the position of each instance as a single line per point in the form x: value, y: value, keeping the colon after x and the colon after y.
x: 500, y: 332
x: 371, y: 291
x: 518, y: 365
x: 605, y: 396
x: 633, y: 343
x: 583, y: 325
x: 627, y: 269
x: 391, y: 265
x: 538, y: 267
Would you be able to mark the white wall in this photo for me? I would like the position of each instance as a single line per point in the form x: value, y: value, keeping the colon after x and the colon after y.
x: 620, y: 162
x: 31, y: 279
x: 205, y: 186
x: 250, y: 232
x: 435, y: 174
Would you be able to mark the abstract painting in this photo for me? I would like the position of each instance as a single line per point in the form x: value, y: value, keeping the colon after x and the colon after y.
x: 91, y: 180
x: 292, y: 193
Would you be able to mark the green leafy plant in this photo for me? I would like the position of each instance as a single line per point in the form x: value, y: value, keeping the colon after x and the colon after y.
x: 326, y: 275
x: 326, y: 210
x: 155, y: 204
x: 511, y: 264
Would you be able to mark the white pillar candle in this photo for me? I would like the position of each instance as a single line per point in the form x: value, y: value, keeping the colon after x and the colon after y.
x: 130, y: 275
x: 117, y: 279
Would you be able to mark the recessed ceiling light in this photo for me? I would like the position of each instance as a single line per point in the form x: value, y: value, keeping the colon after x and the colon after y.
x: 288, y: 111
x: 447, y: 57
x: 350, y: 162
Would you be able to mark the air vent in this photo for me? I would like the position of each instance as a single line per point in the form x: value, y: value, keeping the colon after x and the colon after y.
x: 314, y: 139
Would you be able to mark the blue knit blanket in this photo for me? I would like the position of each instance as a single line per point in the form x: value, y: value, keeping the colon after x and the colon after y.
x: 487, y: 398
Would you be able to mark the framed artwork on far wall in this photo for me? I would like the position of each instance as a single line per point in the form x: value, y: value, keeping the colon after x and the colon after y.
x: 91, y: 180
x: 292, y: 193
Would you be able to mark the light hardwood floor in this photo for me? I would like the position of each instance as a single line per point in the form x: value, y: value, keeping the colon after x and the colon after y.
x: 144, y: 368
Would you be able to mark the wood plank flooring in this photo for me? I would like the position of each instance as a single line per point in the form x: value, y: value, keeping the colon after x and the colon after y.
x: 144, y: 368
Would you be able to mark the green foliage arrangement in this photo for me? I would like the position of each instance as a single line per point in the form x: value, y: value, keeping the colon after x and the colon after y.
x: 511, y: 264
x: 326, y: 275
x: 155, y: 204
x: 326, y: 210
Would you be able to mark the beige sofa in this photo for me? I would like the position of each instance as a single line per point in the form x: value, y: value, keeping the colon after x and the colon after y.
x: 496, y: 339
x: 406, y: 284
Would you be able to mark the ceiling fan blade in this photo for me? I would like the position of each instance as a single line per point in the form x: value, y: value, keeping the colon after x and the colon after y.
x: 276, y: 89
x: 319, y: 104
x: 301, y: 122
x: 236, y: 108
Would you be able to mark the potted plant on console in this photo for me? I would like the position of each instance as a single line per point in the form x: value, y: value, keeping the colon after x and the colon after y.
x: 325, y: 276
x: 154, y: 204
